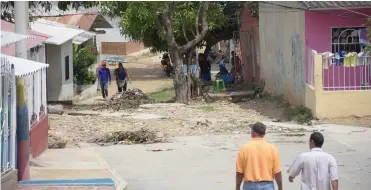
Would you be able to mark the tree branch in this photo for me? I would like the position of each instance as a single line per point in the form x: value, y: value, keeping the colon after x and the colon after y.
x: 168, y: 14
x: 184, y: 31
x: 202, y: 14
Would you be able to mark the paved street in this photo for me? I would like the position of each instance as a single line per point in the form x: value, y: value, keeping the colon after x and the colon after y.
x: 208, y: 162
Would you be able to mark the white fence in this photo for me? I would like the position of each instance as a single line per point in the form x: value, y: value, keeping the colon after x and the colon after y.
x: 346, y: 73
x: 7, y: 116
x: 36, y: 87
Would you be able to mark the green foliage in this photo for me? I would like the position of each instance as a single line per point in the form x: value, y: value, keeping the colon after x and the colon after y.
x: 299, y: 114
x: 163, y: 95
x: 7, y: 7
x: 83, y: 59
x: 142, y: 21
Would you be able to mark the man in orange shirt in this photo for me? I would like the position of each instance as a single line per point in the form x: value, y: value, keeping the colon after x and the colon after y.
x: 258, y: 163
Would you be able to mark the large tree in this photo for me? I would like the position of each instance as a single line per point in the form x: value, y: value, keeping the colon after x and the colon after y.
x: 177, y: 27
x: 7, y: 7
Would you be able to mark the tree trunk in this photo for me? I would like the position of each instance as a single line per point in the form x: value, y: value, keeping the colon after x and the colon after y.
x: 180, y: 80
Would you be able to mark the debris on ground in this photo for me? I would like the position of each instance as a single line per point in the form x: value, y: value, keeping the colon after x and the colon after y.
x: 125, y: 100
x: 142, y: 136
x: 55, y: 109
x: 55, y: 142
x: 160, y: 150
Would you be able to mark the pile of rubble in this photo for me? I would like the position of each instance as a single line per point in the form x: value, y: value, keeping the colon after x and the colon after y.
x: 142, y: 136
x: 55, y: 142
x: 125, y: 100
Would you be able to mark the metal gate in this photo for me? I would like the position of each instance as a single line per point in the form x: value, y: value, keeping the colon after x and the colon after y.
x: 7, y: 116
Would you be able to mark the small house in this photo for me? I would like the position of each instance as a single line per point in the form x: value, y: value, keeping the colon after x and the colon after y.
x: 293, y: 34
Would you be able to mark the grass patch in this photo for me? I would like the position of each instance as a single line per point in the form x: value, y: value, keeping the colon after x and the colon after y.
x: 299, y: 114
x: 207, y: 108
x: 163, y: 95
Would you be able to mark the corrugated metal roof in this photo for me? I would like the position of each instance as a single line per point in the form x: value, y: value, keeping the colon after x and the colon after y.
x: 8, y: 38
x: 85, y: 21
x: 80, y: 37
x: 37, y: 38
x: 335, y: 4
x: 24, y: 67
x: 60, y: 34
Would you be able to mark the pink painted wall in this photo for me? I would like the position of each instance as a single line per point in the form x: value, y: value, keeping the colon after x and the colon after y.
x: 318, y: 37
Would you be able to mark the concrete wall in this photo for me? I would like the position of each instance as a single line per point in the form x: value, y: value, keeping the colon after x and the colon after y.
x: 120, y: 48
x: 37, y: 53
x: 58, y: 88
x: 54, y: 74
x: 112, y: 34
x: 39, y: 136
x: 333, y: 104
x: 282, y: 44
x: 9, y: 181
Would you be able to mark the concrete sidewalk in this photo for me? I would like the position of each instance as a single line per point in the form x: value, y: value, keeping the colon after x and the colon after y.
x: 73, y: 163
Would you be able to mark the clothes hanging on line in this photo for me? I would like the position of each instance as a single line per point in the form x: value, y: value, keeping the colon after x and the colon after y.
x: 350, y: 59
x: 327, y: 59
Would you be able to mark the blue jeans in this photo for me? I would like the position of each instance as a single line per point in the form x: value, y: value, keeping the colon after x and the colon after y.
x: 258, y: 185
x: 206, y: 77
x: 104, y: 89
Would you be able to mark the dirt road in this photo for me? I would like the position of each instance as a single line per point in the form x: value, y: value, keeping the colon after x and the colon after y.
x: 145, y: 72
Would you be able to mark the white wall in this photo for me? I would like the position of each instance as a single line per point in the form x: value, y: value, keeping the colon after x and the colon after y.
x: 67, y: 85
x: 54, y: 74
x: 38, y: 53
x: 282, y: 43
x: 58, y: 88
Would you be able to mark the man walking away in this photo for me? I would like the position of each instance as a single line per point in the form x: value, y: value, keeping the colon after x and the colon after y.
x: 104, y: 76
x: 318, y: 169
x: 258, y: 163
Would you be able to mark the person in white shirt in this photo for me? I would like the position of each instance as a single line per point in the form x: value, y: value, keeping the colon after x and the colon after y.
x: 318, y: 169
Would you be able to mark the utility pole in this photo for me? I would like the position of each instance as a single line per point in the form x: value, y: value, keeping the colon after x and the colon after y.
x: 23, y: 130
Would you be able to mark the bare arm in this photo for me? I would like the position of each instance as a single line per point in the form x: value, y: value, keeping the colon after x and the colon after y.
x: 335, y: 185
x: 278, y: 178
x: 239, y: 177
x: 334, y: 174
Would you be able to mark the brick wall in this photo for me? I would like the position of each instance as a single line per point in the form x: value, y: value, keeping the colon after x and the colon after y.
x: 120, y: 48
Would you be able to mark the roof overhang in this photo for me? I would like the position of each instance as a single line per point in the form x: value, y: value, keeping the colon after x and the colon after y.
x: 61, y: 32
x: 326, y: 5
x: 8, y: 38
x: 23, y: 67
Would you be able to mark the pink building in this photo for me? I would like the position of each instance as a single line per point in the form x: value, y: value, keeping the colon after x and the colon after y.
x: 248, y: 47
x: 38, y: 119
x: 289, y: 31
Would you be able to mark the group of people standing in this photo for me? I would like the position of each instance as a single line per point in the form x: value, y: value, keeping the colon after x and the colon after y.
x: 104, y: 78
x: 258, y: 164
x: 205, y: 65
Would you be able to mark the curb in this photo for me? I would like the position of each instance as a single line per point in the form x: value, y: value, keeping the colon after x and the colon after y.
x: 122, y: 184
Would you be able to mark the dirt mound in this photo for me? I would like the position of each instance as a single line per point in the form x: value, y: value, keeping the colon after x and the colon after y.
x: 55, y: 142
x: 142, y: 136
x: 126, y: 100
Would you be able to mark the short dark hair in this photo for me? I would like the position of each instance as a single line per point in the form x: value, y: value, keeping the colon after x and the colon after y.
x: 317, y: 138
x: 259, y: 128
